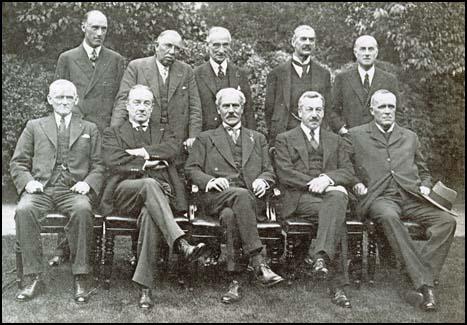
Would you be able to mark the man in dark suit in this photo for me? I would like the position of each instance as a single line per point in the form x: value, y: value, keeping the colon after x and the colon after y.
x: 231, y: 166
x: 353, y: 88
x: 287, y: 82
x: 173, y: 84
x: 145, y: 184
x: 57, y: 163
x: 96, y: 72
x: 313, y: 168
x: 392, y: 176
x: 219, y: 73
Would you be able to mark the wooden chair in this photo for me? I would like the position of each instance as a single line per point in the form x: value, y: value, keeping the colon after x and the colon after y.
x: 55, y: 222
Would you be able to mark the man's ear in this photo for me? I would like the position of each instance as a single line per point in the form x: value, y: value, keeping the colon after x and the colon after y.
x: 49, y: 99
x: 83, y: 27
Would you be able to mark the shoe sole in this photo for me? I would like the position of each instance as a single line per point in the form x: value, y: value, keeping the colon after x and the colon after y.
x: 270, y: 284
x: 414, y: 299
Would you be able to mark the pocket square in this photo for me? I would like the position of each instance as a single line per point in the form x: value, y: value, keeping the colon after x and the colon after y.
x: 184, y: 87
x: 86, y: 136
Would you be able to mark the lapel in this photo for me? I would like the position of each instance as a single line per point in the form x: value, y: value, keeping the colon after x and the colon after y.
x: 151, y: 73
x: 327, y: 143
x: 82, y: 60
x: 377, y: 81
x: 357, y: 86
x: 126, y: 134
x: 76, y: 128
x: 395, y: 135
x: 234, y: 75
x: 208, y: 76
x: 287, y: 80
x: 219, y: 138
x: 101, y: 65
x: 49, y: 126
x: 156, y: 133
x: 298, y: 142
x: 176, y: 74
x: 375, y: 133
x: 248, y: 143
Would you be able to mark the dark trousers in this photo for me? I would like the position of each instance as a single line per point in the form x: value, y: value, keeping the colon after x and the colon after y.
x: 330, y: 208
x: 422, y: 265
x: 32, y: 209
x: 145, y: 199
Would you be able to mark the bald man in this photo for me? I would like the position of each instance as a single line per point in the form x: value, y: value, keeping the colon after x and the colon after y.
x: 177, y: 105
x: 57, y: 164
x: 353, y: 88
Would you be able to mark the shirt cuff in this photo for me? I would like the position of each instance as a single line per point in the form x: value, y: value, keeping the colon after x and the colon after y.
x: 146, y: 154
x: 207, y: 185
x: 265, y: 182
x: 331, y: 182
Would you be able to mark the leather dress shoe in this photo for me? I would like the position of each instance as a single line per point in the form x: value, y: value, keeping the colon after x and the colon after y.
x: 56, y: 260
x: 412, y: 297
x: 339, y: 297
x: 233, y: 295
x: 266, y: 277
x: 429, y: 301
x: 320, y: 269
x: 145, y: 301
x: 190, y: 252
x: 81, y: 293
x: 34, y: 289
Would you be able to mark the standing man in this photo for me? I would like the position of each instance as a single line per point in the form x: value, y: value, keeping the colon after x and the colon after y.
x: 353, y: 88
x: 145, y: 184
x: 96, y: 72
x: 313, y: 167
x: 57, y: 164
x: 287, y: 82
x: 231, y: 166
x: 220, y: 73
x: 177, y: 103
x: 392, y: 180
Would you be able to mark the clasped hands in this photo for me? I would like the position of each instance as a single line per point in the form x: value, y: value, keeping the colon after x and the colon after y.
x: 220, y: 184
x: 319, y: 184
x: 148, y: 164
x: 37, y: 187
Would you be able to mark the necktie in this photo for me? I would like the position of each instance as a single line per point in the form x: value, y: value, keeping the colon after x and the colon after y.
x: 164, y: 73
x: 220, y: 72
x: 313, y: 142
x: 139, y: 128
x: 366, y: 83
x: 62, y: 126
x: 233, y: 133
x: 93, y: 57
x: 387, y: 135
x: 301, y: 65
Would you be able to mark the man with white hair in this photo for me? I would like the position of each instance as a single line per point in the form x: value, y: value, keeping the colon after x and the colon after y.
x: 218, y: 73
x: 231, y: 166
x: 57, y: 163
x: 287, y: 82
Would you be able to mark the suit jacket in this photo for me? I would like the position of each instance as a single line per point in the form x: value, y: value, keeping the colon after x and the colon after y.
x: 377, y: 162
x: 351, y: 104
x: 277, y: 102
x: 184, y: 107
x: 123, y: 166
x: 97, y: 86
x: 36, y: 153
x: 211, y: 157
x: 238, y: 79
x: 291, y: 160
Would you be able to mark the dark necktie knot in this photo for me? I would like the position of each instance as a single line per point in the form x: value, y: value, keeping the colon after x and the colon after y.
x: 313, y: 142
x: 140, y: 128
x: 220, y: 72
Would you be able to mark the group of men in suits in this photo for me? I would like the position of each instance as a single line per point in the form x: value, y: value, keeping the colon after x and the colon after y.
x: 161, y: 106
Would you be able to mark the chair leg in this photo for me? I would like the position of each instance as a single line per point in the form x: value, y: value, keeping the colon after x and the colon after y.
x: 290, y: 265
x: 108, y: 259
x: 96, y: 254
x: 371, y: 258
x: 356, y: 260
x: 19, y: 266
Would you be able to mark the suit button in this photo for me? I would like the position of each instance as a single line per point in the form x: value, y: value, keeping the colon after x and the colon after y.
x: 215, y: 119
x: 392, y: 172
x: 389, y: 159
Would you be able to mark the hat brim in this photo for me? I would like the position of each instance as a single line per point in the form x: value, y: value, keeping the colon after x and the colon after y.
x: 439, y: 205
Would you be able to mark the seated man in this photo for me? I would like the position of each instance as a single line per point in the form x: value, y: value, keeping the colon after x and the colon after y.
x: 231, y: 165
x: 57, y: 164
x: 392, y: 181
x: 313, y: 167
x: 144, y: 184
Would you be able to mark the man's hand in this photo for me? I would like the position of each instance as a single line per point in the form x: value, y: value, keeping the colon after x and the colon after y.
x: 318, y: 184
x: 154, y: 164
x: 219, y: 184
x: 425, y: 190
x: 139, y: 152
x: 81, y: 188
x: 34, y: 187
x: 259, y: 187
x: 360, y: 189
x: 188, y: 142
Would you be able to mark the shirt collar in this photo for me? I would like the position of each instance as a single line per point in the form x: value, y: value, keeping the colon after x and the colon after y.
x: 307, y: 130
x: 382, y: 130
x: 362, y: 73
x: 236, y: 127
x: 58, y: 117
x: 215, y: 66
x: 89, y: 49
x: 136, y: 124
x: 307, y: 60
x: 161, y: 67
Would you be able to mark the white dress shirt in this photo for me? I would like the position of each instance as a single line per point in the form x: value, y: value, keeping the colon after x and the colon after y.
x: 382, y: 130
x: 307, y: 131
x: 298, y: 68
x: 215, y: 66
x: 89, y: 49
x: 58, y: 117
x: 163, y: 70
x: 362, y: 72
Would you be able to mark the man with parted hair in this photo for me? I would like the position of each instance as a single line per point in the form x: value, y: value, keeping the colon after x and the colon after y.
x: 393, y: 180
x: 231, y: 166
x: 313, y: 168
x: 57, y: 164
x: 288, y: 81
x: 218, y: 73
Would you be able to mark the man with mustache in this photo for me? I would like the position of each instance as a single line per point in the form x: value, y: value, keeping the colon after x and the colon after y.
x: 288, y: 81
x: 313, y: 168
x: 96, y: 72
x: 231, y: 166
x: 145, y: 184
x: 173, y: 84
x: 219, y: 73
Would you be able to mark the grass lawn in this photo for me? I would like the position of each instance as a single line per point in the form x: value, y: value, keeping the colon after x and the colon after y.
x: 302, y: 301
